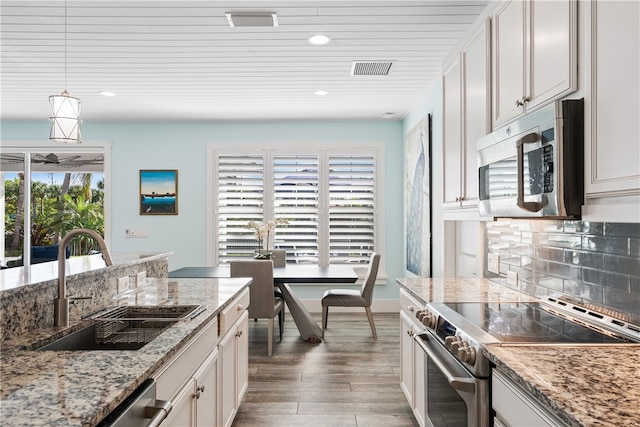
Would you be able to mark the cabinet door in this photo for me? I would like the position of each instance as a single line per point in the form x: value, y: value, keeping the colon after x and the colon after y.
x: 452, y: 99
x: 419, y: 386
x: 242, y: 357
x: 406, y: 356
x: 475, y: 118
x: 552, y: 61
x: 183, y: 412
x: 612, y: 108
x: 509, y: 61
x: 206, y: 394
x: 227, y: 378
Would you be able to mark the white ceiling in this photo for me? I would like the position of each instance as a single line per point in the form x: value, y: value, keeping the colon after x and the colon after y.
x: 181, y: 59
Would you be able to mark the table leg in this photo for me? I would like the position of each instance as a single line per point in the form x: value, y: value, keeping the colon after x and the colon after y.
x: 309, y: 329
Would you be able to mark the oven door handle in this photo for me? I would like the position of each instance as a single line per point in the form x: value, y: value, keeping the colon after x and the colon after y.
x: 465, y: 385
x: 527, y: 206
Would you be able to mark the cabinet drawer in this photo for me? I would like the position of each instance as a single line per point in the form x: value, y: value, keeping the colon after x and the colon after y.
x: 230, y: 314
x: 411, y: 306
x: 515, y: 407
x: 171, y: 377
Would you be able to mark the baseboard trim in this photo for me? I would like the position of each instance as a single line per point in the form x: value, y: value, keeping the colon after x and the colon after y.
x: 377, y: 306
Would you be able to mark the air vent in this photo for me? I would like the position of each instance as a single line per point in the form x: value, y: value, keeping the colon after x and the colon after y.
x: 253, y: 19
x: 371, y: 68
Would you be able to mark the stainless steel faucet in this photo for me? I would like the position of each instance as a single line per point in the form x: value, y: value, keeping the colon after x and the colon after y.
x: 61, y: 304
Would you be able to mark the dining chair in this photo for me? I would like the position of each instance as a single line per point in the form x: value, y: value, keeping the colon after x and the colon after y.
x: 353, y: 297
x: 263, y: 302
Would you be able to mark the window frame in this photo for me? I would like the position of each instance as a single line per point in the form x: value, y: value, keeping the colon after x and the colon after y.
x: 323, y: 150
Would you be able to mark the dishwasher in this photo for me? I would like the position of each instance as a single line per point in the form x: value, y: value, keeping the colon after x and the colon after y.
x: 140, y: 409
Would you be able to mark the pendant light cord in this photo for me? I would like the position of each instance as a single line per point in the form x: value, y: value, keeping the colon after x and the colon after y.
x: 65, y: 45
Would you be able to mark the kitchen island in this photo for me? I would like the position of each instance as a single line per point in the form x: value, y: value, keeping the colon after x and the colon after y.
x: 581, y: 385
x: 80, y: 388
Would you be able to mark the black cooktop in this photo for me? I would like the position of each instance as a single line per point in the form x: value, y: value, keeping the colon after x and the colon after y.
x: 528, y: 323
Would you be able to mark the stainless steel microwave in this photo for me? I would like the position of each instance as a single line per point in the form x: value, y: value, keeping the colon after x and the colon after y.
x: 534, y: 167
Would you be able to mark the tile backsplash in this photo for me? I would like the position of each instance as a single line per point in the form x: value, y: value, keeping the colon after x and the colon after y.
x: 592, y: 262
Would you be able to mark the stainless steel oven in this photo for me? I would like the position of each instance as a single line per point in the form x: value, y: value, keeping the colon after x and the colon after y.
x: 457, y: 374
x: 454, y: 397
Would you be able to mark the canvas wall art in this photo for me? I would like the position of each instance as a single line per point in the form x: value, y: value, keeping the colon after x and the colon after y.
x: 418, y: 199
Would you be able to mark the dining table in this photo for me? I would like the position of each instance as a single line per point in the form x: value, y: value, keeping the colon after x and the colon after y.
x: 282, y: 277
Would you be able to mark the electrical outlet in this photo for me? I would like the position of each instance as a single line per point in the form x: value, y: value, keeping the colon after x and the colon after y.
x: 512, y: 278
x: 493, y: 263
x: 141, y: 279
x: 123, y: 284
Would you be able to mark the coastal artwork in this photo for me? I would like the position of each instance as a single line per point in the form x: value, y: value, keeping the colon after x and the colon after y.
x: 158, y: 192
x: 418, y: 199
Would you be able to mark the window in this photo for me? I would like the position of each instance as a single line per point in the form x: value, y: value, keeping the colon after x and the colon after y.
x: 328, y: 198
x: 53, y: 192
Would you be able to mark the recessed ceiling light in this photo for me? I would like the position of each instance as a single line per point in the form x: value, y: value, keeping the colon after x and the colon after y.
x: 320, y: 92
x: 319, y: 39
x: 388, y: 115
x: 106, y: 93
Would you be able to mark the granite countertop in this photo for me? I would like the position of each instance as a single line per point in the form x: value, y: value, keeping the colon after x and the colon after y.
x: 587, y: 386
x: 65, y: 388
x: 461, y: 290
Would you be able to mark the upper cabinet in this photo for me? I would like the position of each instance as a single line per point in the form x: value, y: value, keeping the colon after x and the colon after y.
x: 534, y: 55
x: 466, y: 109
x: 612, y: 111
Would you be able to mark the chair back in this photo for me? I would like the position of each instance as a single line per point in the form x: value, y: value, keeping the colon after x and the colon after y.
x: 370, y: 278
x: 261, y: 292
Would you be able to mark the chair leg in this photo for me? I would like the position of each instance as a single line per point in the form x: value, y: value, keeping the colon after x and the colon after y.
x: 373, y: 326
x: 281, y: 322
x: 270, y: 338
x: 325, y: 315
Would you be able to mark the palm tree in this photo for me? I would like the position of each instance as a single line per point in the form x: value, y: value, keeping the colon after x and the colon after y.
x: 18, y: 226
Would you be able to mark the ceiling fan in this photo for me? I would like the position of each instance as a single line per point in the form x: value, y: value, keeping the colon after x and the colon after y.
x: 71, y: 161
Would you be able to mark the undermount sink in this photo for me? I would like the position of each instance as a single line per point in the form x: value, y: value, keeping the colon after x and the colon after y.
x: 124, y: 328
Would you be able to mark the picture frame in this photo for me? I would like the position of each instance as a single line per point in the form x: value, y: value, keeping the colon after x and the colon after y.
x: 158, y: 192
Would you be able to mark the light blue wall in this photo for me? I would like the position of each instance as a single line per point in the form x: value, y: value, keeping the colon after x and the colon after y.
x: 182, y: 146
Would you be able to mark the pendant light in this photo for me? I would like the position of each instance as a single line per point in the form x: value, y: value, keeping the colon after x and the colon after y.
x: 65, y: 109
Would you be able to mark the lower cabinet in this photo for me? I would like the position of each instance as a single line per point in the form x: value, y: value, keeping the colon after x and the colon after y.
x: 412, y: 378
x: 514, y: 407
x: 207, y: 379
x: 234, y: 369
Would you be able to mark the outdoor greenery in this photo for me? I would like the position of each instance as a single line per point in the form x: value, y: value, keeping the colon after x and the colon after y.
x: 55, y: 210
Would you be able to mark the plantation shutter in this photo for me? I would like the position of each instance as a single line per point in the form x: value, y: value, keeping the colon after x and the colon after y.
x: 351, y: 208
x: 240, y: 200
x: 296, y: 199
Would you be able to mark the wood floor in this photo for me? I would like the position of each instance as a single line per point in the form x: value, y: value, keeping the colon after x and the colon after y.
x: 349, y: 379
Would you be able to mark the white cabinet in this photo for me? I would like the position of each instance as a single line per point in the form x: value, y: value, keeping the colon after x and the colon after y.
x: 186, y: 380
x: 534, y: 55
x: 233, y: 359
x: 206, y: 391
x: 196, y: 403
x: 612, y: 108
x: 466, y: 109
x: 208, y: 378
x: 412, y: 361
x: 514, y: 407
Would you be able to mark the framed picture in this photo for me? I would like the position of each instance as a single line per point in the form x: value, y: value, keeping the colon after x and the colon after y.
x: 158, y: 192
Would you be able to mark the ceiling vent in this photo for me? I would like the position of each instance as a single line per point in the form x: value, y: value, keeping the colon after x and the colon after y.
x: 371, y: 68
x: 252, y: 19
